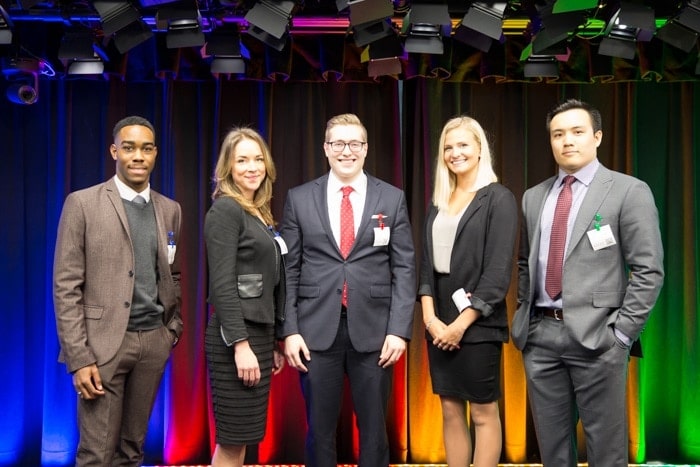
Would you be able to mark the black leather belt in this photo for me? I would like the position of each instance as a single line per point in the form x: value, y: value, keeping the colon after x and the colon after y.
x: 556, y: 313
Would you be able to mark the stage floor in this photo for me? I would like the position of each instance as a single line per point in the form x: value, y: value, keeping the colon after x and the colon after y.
x: 651, y: 464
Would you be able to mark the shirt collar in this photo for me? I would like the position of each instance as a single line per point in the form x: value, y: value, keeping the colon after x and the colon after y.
x: 584, y: 175
x: 335, y: 185
x: 128, y: 193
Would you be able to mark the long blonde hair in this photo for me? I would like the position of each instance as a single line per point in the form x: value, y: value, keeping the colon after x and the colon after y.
x: 223, y: 178
x: 446, y: 181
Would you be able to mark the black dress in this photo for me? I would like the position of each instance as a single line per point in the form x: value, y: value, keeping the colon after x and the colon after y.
x: 245, y: 277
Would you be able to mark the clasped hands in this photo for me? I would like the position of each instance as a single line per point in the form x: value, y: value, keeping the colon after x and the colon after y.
x: 297, y: 352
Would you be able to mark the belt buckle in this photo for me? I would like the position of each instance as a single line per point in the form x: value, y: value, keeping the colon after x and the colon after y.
x: 558, y: 315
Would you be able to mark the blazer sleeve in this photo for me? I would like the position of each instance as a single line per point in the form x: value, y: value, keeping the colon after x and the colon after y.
x: 291, y: 232
x: 643, y: 252
x: 223, y: 227
x: 499, y: 248
x: 403, y: 271
x: 68, y: 284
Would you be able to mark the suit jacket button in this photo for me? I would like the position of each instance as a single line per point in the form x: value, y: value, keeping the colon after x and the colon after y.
x: 131, y: 273
x: 127, y: 304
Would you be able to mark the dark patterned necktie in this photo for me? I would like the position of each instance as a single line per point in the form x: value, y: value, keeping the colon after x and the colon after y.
x: 557, y: 242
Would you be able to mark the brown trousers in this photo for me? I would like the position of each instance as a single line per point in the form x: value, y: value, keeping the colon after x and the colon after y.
x: 113, y: 427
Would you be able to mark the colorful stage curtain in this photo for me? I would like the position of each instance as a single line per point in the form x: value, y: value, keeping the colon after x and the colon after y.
x: 60, y: 144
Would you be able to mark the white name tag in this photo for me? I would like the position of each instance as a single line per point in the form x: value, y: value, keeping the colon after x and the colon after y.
x: 283, y: 246
x: 381, y: 236
x: 601, y: 238
x: 460, y: 299
x: 171, y: 253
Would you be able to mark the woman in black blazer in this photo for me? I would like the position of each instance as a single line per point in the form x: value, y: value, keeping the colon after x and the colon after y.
x: 246, y: 291
x: 469, y: 243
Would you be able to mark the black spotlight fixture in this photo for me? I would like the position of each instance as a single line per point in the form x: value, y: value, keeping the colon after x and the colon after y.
x: 23, y: 76
x: 6, y: 27
x: 482, y: 24
x: 183, y: 23
x: 269, y: 22
x: 80, y: 54
x: 227, y: 52
x: 683, y: 30
x: 384, y: 56
x: 425, y: 25
x: 630, y: 23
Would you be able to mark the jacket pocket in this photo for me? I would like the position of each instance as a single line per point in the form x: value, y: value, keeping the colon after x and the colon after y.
x: 250, y: 285
x: 608, y: 299
x: 380, y: 291
x: 309, y: 291
x: 93, y: 311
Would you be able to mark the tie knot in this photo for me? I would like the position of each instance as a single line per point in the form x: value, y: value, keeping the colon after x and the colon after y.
x: 139, y: 199
x: 569, y: 179
x: 346, y: 191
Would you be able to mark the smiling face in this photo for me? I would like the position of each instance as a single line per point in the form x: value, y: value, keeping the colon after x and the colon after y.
x: 135, y: 152
x: 247, y: 167
x: 461, y: 152
x: 347, y: 163
x: 574, y: 142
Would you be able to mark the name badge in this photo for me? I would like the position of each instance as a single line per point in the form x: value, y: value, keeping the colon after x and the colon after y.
x: 171, y: 253
x: 601, y: 238
x: 283, y: 246
x: 381, y: 236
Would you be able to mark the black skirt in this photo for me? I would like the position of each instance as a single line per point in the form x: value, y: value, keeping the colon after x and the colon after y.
x: 472, y: 373
x: 240, y: 412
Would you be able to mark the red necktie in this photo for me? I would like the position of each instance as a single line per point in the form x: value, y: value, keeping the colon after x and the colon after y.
x: 347, y: 233
x: 557, y: 242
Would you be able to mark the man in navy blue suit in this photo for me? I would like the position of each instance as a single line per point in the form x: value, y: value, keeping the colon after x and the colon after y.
x: 347, y: 312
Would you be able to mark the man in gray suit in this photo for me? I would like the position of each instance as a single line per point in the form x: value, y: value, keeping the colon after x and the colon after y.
x: 117, y: 298
x: 350, y: 306
x: 578, y: 317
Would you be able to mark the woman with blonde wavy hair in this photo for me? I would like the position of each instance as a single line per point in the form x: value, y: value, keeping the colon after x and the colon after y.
x: 246, y: 292
x: 469, y: 244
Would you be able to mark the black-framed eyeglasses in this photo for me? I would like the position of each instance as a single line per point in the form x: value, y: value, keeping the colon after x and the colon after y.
x: 339, y: 146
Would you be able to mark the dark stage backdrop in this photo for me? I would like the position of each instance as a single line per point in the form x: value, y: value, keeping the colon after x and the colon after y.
x: 60, y: 144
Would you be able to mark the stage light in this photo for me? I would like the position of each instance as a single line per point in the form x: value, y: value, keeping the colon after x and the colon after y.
x: 227, y: 52
x: 690, y: 16
x: 564, y: 6
x: 81, y: 55
x: 473, y: 38
x: 541, y: 67
x: 629, y: 24
x: 269, y: 20
x: 134, y: 34
x: 367, y: 11
x: 369, y: 32
x: 115, y: 15
x: 425, y: 25
x: 5, y: 27
x: 182, y: 21
x: 383, y: 56
x: 23, y: 76
x: 556, y: 29
x: 486, y: 18
x: 22, y: 93
x: 678, y: 36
